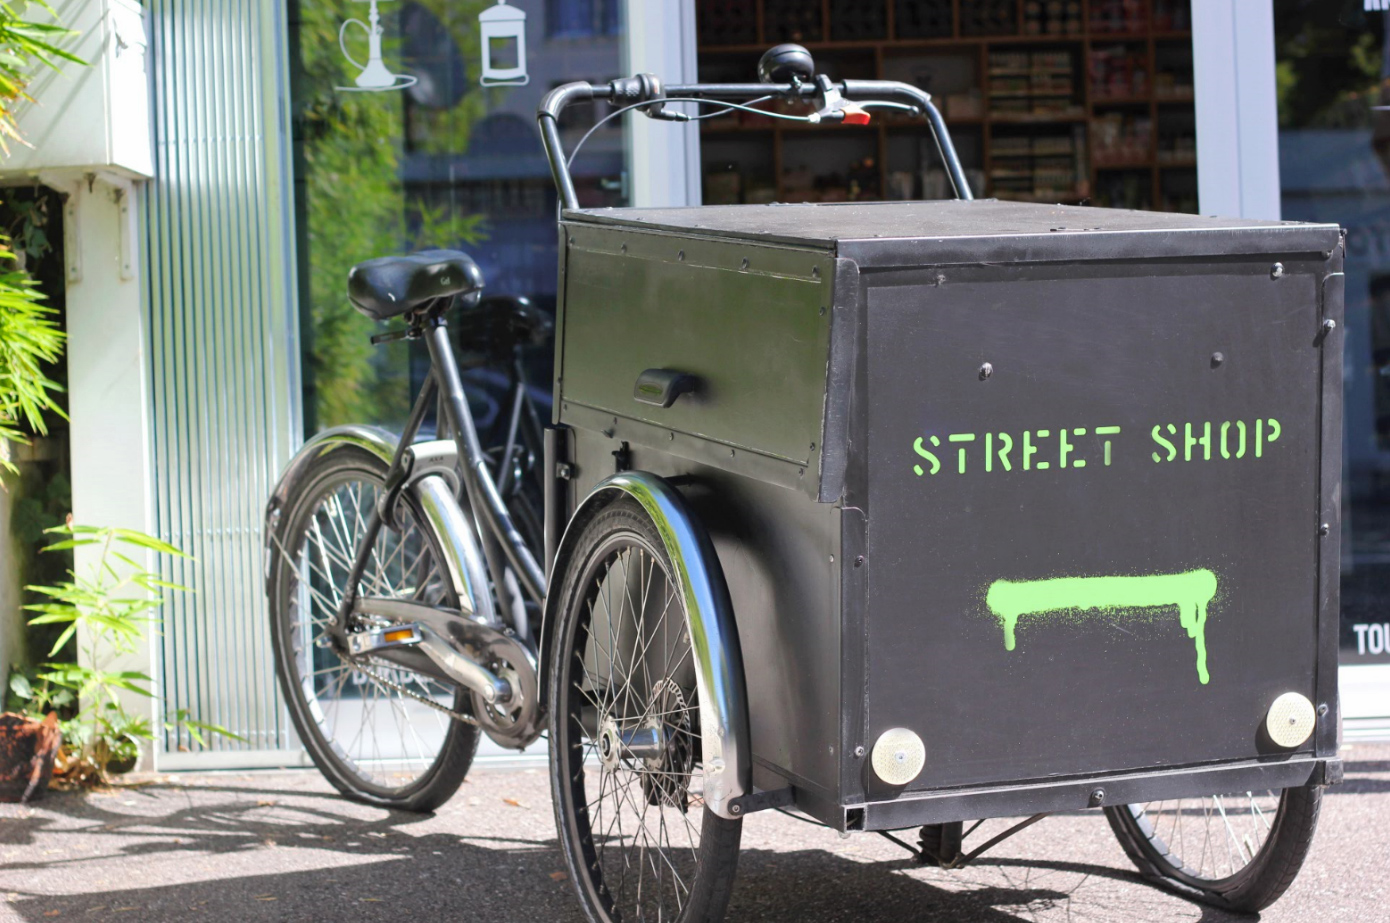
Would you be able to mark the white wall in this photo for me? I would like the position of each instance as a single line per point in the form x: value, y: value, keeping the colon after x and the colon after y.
x: 107, y: 380
x: 663, y: 157
x: 11, y: 617
x: 1237, y: 111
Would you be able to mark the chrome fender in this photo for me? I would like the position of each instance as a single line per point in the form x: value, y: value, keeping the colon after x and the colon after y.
x: 710, y: 620
x: 431, y: 486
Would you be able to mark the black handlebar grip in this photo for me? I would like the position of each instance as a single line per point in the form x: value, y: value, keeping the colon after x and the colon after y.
x: 636, y: 89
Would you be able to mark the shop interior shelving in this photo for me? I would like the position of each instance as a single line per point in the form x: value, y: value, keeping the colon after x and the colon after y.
x: 1048, y: 100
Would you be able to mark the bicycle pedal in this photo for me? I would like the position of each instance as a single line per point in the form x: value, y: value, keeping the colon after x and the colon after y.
x: 380, y: 639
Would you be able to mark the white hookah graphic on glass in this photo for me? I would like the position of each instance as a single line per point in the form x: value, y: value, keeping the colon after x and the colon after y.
x: 373, y: 76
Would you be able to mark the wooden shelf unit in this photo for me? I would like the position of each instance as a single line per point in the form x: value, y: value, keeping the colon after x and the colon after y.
x: 866, y: 58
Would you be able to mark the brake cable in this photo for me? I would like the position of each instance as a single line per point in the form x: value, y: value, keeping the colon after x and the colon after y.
x: 725, y: 108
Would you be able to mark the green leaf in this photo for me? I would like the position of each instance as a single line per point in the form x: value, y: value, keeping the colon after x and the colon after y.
x: 164, y: 584
x: 195, y: 728
x: 70, y: 543
x: 19, y: 685
x: 63, y: 639
x: 130, y: 687
x: 141, y: 540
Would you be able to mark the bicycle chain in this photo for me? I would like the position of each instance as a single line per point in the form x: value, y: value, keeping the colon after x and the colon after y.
x: 382, y: 681
x: 424, y: 700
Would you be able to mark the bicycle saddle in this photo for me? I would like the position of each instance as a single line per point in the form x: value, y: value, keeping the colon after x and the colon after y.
x: 389, y: 286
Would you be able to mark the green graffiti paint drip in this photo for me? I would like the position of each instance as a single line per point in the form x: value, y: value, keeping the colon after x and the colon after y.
x: 1190, y: 592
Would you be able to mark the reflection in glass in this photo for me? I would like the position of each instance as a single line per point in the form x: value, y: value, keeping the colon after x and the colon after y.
x: 1334, y: 154
x: 441, y: 162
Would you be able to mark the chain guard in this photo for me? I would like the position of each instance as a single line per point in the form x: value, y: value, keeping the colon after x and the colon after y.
x: 517, y: 724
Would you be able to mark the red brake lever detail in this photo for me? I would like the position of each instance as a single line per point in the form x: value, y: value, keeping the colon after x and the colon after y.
x: 854, y: 115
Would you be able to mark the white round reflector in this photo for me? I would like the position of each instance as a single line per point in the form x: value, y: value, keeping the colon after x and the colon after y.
x: 899, y: 756
x: 1291, y: 719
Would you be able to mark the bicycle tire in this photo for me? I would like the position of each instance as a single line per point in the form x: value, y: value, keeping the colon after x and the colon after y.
x: 1267, y: 871
x: 668, y: 777
x: 341, y: 757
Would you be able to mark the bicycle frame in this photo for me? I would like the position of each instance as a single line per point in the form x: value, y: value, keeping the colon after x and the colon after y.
x: 480, y: 489
x: 502, y: 542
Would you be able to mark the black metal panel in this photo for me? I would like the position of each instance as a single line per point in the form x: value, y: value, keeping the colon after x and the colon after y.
x: 914, y: 233
x: 557, y: 506
x: 1035, y: 352
x: 749, y: 324
x: 1077, y: 794
x: 978, y: 320
x: 1330, y: 492
x: 779, y: 550
x: 854, y: 623
x: 844, y: 348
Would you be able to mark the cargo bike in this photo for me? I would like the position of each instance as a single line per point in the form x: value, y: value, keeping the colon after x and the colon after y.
x: 893, y: 515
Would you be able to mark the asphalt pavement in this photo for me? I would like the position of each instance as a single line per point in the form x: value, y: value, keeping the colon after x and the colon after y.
x: 283, y: 846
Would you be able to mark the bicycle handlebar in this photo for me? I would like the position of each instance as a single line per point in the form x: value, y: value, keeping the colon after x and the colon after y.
x: 644, y: 88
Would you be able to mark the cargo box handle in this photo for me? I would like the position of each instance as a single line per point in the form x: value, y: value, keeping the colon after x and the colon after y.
x: 661, y: 387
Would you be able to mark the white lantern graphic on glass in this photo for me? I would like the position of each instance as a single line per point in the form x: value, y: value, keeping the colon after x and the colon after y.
x: 504, y: 46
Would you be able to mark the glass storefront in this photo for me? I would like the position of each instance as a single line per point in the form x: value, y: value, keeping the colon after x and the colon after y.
x: 1047, y: 101
x: 1333, y: 79
x: 423, y: 135
x: 411, y: 131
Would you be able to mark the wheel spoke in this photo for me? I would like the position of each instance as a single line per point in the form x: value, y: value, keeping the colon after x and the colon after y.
x: 639, y: 821
x: 378, y: 733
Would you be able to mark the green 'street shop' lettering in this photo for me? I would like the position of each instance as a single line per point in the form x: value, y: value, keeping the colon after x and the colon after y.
x: 961, y: 437
x: 1191, y: 441
x: 1228, y: 439
x: 935, y: 462
x: 999, y: 447
x: 1172, y: 449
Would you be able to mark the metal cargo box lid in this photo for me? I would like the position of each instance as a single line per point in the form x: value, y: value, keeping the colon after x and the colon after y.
x: 904, y: 233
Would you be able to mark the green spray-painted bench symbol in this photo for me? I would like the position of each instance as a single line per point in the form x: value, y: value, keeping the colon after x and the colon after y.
x: 1190, y: 592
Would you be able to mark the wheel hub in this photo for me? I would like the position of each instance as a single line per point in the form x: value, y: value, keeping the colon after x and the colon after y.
x: 667, y: 779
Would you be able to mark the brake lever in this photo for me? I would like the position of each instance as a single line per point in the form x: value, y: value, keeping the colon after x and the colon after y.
x: 835, y: 108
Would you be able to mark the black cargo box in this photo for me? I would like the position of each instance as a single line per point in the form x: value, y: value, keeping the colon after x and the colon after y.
x: 1055, y: 488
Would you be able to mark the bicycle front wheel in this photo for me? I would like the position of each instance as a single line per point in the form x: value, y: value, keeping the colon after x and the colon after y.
x: 625, y: 758
x: 378, y: 732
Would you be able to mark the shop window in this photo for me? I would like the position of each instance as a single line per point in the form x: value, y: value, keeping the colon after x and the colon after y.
x: 1334, y: 163
x: 1380, y: 358
x: 1047, y: 101
x: 425, y: 157
x: 579, y: 19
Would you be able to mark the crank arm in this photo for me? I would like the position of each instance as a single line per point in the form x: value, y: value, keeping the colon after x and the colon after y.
x: 404, y: 610
x: 493, y: 689
x: 426, y: 634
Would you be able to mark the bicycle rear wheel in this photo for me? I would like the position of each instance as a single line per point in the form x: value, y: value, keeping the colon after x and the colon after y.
x: 378, y: 732
x: 1240, y: 851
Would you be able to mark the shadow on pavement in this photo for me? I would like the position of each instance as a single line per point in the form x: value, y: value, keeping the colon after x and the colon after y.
x: 271, y: 854
x: 431, y: 878
x: 216, y: 828
x: 438, y: 877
